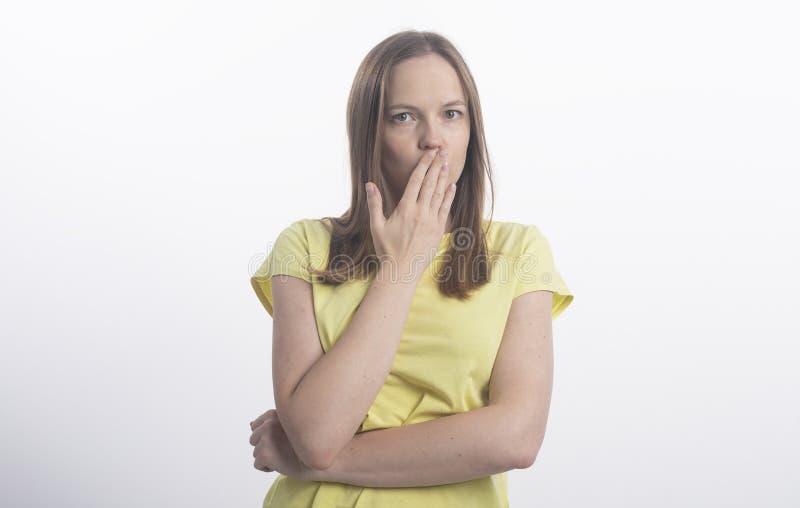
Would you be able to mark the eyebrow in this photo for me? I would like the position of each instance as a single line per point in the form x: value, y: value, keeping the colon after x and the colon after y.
x: 408, y: 106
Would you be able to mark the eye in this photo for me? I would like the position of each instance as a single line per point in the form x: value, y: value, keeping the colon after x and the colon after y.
x: 396, y: 119
x: 399, y: 114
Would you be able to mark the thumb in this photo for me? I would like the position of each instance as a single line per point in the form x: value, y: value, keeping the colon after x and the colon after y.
x: 375, y: 204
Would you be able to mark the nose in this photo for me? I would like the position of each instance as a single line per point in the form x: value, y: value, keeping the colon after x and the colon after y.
x: 432, y: 146
x: 431, y: 139
x: 442, y: 150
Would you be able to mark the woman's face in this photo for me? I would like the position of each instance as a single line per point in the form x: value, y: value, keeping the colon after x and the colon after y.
x: 425, y: 108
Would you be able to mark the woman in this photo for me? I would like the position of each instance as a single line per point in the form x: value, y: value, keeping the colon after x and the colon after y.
x: 412, y: 339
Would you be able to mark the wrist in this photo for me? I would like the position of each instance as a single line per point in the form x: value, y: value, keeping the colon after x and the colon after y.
x: 393, y: 273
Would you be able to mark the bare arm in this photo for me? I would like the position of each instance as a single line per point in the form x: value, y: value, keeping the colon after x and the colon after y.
x: 327, y: 406
x: 506, y: 434
x: 450, y: 449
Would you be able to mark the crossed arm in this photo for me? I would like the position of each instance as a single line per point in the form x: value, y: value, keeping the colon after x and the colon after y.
x: 450, y: 449
x: 504, y: 435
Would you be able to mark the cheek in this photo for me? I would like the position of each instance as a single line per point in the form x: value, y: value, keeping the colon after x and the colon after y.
x: 391, y: 157
x: 393, y: 164
x: 396, y: 158
x: 391, y: 148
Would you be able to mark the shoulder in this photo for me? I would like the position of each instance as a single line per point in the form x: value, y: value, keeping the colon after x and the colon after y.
x: 305, y: 231
x: 298, y: 246
x: 303, y: 226
x: 304, y: 241
x: 511, y: 238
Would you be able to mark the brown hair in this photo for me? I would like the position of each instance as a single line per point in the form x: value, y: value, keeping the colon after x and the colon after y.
x: 352, y: 253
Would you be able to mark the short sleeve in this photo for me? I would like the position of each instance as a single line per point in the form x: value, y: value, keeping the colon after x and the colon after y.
x: 535, y: 269
x: 289, y: 256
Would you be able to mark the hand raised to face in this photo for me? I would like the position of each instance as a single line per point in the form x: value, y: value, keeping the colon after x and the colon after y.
x: 414, y: 230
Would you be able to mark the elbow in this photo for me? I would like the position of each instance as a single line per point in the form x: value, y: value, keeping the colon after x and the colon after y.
x: 310, y: 452
x: 524, y: 444
x: 313, y: 454
x: 525, y: 461
x: 524, y: 451
x: 317, y: 461
x: 319, y: 454
x: 315, y: 441
x: 309, y: 447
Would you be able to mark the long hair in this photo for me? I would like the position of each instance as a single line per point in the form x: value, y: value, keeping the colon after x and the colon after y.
x: 351, y: 251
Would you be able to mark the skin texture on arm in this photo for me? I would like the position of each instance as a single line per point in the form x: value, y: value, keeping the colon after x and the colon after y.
x: 504, y: 435
x: 449, y: 449
x: 324, y: 409
x: 522, y: 377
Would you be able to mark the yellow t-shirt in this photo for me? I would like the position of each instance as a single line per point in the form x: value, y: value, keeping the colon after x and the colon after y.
x: 443, y: 362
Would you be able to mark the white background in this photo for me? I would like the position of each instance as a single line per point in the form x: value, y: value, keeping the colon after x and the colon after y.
x: 151, y: 151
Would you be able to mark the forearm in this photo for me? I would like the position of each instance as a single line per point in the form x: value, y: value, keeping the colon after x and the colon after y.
x: 450, y: 449
x: 329, y: 404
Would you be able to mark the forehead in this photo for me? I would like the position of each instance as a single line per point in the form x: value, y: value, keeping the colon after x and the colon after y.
x: 423, y: 81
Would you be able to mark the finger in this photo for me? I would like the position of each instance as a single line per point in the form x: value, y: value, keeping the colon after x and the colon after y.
x: 441, y: 188
x: 444, y: 210
x: 375, y: 205
x: 260, y: 467
x: 261, y: 458
x: 431, y: 177
x: 411, y: 193
x: 260, y: 431
x: 258, y: 421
